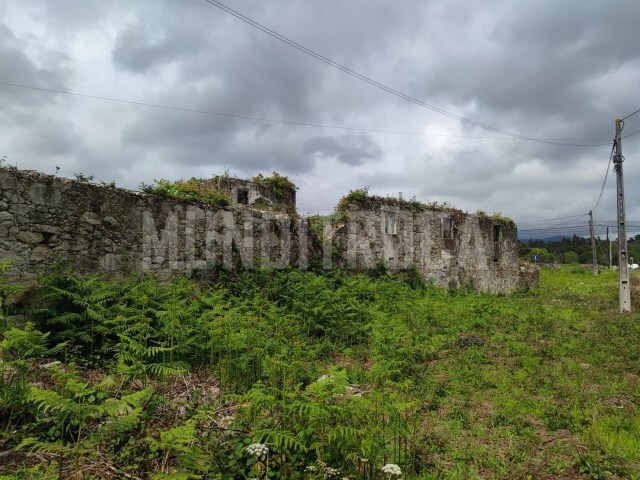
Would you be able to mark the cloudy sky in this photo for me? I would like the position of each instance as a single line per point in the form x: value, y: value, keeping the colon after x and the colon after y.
x: 543, y: 69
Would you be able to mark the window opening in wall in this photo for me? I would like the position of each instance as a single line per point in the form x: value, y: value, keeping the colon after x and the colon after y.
x: 243, y: 196
x: 391, y: 223
x: 496, y: 243
x: 447, y: 227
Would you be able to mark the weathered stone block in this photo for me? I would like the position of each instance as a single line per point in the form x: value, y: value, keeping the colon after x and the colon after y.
x: 46, y: 228
x: 13, y: 257
x: 40, y: 253
x: 45, y: 194
x: 29, y: 237
x: 6, y: 217
x: 110, y: 262
x: 91, y: 218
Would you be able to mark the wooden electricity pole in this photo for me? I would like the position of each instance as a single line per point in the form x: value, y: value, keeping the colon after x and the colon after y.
x: 609, y: 242
x: 593, y: 244
x: 624, y: 294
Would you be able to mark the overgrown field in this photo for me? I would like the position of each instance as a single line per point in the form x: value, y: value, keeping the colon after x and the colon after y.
x: 334, y: 375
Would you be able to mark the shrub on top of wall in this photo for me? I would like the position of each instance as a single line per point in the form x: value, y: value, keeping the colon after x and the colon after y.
x: 280, y: 184
x: 186, y: 190
x: 362, y: 198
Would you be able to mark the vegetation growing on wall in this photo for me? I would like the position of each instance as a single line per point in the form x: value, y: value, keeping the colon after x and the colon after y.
x: 83, y: 178
x: 199, y: 189
x: 495, y: 217
x: 358, y: 196
x: 186, y: 190
x: 279, y: 184
x: 300, y: 375
x: 362, y: 198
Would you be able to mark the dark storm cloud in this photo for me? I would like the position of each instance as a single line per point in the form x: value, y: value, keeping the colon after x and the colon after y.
x: 348, y: 149
x: 240, y: 152
x: 224, y: 65
x: 219, y: 71
x: 533, y: 62
x: 246, y: 74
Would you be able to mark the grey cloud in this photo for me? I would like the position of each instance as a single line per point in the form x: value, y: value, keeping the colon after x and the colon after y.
x: 19, y: 68
x: 388, y: 179
x: 197, y: 141
x: 66, y: 13
x: 29, y: 128
x: 526, y: 63
x: 141, y: 46
x: 348, y: 149
x: 152, y: 129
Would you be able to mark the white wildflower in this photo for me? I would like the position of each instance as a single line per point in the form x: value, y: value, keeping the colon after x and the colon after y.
x: 392, y: 469
x: 259, y: 450
x: 311, y: 468
x: 331, y: 472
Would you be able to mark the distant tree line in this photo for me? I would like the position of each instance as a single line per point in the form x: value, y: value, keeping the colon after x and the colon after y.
x: 576, y: 250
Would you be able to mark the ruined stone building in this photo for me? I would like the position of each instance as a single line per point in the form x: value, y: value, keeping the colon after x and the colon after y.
x: 47, y: 221
x: 447, y: 246
x: 252, y: 192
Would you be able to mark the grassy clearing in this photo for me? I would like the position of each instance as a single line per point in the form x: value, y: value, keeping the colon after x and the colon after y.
x: 329, y: 371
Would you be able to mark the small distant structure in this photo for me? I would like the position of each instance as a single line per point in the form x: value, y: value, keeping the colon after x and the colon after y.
x: 254, y: 192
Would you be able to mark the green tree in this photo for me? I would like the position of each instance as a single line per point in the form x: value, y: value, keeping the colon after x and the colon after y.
x: 570, y: 257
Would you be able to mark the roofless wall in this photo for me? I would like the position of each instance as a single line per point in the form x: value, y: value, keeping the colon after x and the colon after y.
x: 47, y: 221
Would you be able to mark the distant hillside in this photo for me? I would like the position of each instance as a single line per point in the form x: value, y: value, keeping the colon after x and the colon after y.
x: 552, y: 238
x: 574, y: 249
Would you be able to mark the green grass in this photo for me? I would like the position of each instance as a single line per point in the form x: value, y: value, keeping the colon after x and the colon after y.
x: 329, y: 370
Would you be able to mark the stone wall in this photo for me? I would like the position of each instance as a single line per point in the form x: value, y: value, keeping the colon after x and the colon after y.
x: 247, y: 192
x: 47, y: 221
x: 448, y: 247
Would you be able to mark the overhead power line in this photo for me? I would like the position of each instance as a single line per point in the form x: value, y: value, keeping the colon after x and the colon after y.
x: 564, y: 233
x: 248, y: 117
x: 550, y: 219
x: 261, y: 119
x: 568, y: 228
x: 606, y: 174
x: 387, y: 88
x: 632, y: 133
x: 561, y: 233
x: 612, y: 223
x: 630, y: 115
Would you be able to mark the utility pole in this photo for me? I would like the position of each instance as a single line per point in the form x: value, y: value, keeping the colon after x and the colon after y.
x: 609, y: 242
x: 593, y: 244
x: 624, y: 290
